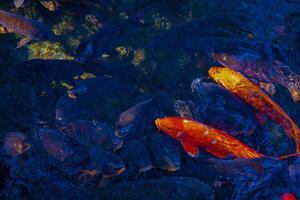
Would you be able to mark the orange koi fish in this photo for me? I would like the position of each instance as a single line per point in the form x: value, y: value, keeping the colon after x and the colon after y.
x: 193, y: 134
x: 253, y: 95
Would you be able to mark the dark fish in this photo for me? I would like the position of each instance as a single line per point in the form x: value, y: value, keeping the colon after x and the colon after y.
x: 106, y: 163
x: 101, y: 45
x: 14, y: 144
x: 248, y: 175
x: 138, y: 120
x: 230, y: 114
x: 135, y: 155
x: 47, y: 76
x: 31, y: 29
x: 55, y: 144
x: 100, y: 99
x: 164, y: 153
x: 89, y: 133
x: 102, y: 163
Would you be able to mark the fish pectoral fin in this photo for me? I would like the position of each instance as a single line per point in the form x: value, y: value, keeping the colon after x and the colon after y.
x: 23, y: 42
x: 190, y: 149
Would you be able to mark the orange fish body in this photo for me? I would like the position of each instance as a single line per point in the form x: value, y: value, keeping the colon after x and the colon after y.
x: 253, y: 95
x: 194, y: 134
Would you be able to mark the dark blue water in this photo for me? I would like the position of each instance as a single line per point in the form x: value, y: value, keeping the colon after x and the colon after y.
x: 77, y: 113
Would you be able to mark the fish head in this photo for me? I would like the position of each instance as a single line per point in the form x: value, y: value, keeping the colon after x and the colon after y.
x: 180, y: 128
x: 14, y: 144
x: 225, y: 59
x: 226, y: 77
x: 173, y: 126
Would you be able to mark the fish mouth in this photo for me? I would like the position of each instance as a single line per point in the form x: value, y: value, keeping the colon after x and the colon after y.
x: 173, y: 168
x: 22, y: 147
x: 157, y: 123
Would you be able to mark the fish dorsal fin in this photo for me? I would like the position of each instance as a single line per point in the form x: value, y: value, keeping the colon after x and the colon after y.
x: 190, y: 149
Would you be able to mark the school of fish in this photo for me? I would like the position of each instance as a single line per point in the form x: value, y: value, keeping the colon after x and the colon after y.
x: 194, y: 135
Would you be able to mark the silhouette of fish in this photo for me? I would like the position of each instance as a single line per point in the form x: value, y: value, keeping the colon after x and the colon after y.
x: 31, y: 29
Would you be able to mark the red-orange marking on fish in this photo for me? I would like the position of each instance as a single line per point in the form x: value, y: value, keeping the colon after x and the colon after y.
x: 253, y: 95
x: 288, y: 196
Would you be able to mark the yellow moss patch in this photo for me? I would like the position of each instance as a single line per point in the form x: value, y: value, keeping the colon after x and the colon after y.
x: 47, y: 50
x: 139, y: 56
